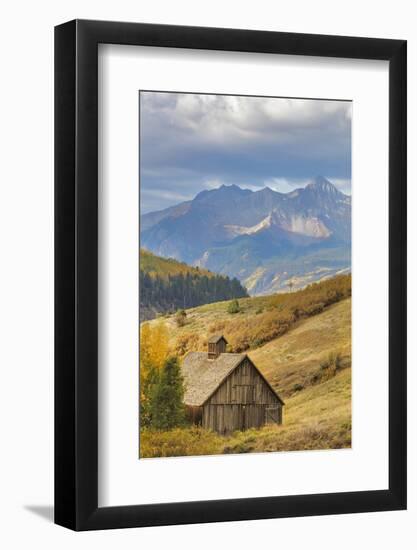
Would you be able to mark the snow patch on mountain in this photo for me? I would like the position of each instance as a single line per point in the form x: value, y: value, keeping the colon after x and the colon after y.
x: 309, y: 226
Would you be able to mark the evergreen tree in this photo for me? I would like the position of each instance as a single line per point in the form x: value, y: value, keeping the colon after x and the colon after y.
x: 148, y: 388
x: 167, y: 407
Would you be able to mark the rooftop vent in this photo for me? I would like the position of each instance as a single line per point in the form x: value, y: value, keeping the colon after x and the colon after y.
x: 216, y: 346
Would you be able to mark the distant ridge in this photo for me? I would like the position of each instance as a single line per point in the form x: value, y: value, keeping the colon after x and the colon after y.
x: 156, y: 266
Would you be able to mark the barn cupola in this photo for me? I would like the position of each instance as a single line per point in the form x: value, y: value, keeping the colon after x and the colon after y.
x: 216, y: 346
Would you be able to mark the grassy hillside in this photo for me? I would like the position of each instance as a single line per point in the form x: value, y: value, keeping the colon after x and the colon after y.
x: 259, y: 319
x: 317, y: 412
x: 294, y: 361
x: 163, y: 267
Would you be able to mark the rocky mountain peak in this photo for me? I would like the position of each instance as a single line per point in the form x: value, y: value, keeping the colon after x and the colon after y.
x: 321, y: 184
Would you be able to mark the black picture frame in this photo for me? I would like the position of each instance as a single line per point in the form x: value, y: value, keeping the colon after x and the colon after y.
x: 76, y: 272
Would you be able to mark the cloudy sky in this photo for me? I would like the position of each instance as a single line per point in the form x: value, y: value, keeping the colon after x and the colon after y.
x: 191, y: 142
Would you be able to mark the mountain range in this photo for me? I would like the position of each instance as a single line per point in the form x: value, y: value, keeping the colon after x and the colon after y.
x: 270, y: 241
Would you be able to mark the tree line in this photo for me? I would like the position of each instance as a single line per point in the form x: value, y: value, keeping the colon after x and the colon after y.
x: 167, y: 294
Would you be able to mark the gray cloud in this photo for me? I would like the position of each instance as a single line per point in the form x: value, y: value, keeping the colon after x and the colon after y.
x: 191, y: 141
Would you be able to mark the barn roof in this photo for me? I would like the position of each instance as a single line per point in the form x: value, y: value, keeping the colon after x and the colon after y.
x: 203, y: 375
x: 216, y: 338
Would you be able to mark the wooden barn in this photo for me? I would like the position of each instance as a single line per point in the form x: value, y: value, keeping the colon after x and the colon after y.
x: 225, y: 392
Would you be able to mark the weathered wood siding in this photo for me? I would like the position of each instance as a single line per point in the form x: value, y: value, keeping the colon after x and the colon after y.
x: 215, y: 349
x: 242, y: 401
x: 194, y: 414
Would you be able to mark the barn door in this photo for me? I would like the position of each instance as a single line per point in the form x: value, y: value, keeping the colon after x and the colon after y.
x: 272, y: 414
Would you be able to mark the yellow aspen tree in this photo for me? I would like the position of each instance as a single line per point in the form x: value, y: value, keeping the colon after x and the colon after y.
x: 158, y: 345
x: 153, y: 350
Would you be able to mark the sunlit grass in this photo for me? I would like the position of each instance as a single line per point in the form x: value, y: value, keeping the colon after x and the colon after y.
x: 260, y: 319
x: 317, y: 418
x: 317, y: 411
x: 294, y: 359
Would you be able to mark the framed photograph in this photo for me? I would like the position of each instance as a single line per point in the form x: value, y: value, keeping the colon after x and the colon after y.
x: 230, y: 255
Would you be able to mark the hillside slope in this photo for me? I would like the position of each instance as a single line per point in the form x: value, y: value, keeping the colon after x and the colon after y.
x: 259, y: 320
x: 295, y: 358
x: 163, y: 267
x: 167, y: 285
x: 317, y: 412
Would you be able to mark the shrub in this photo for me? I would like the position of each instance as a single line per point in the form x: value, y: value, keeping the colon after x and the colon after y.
x: 277, y: 314
x: 233, y: 307
x: 315, y: 378
x: 333, y: 361
x: 181, y: 317
x: 330, y: 366
x: 186, y: 342
x: 190, y: 441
